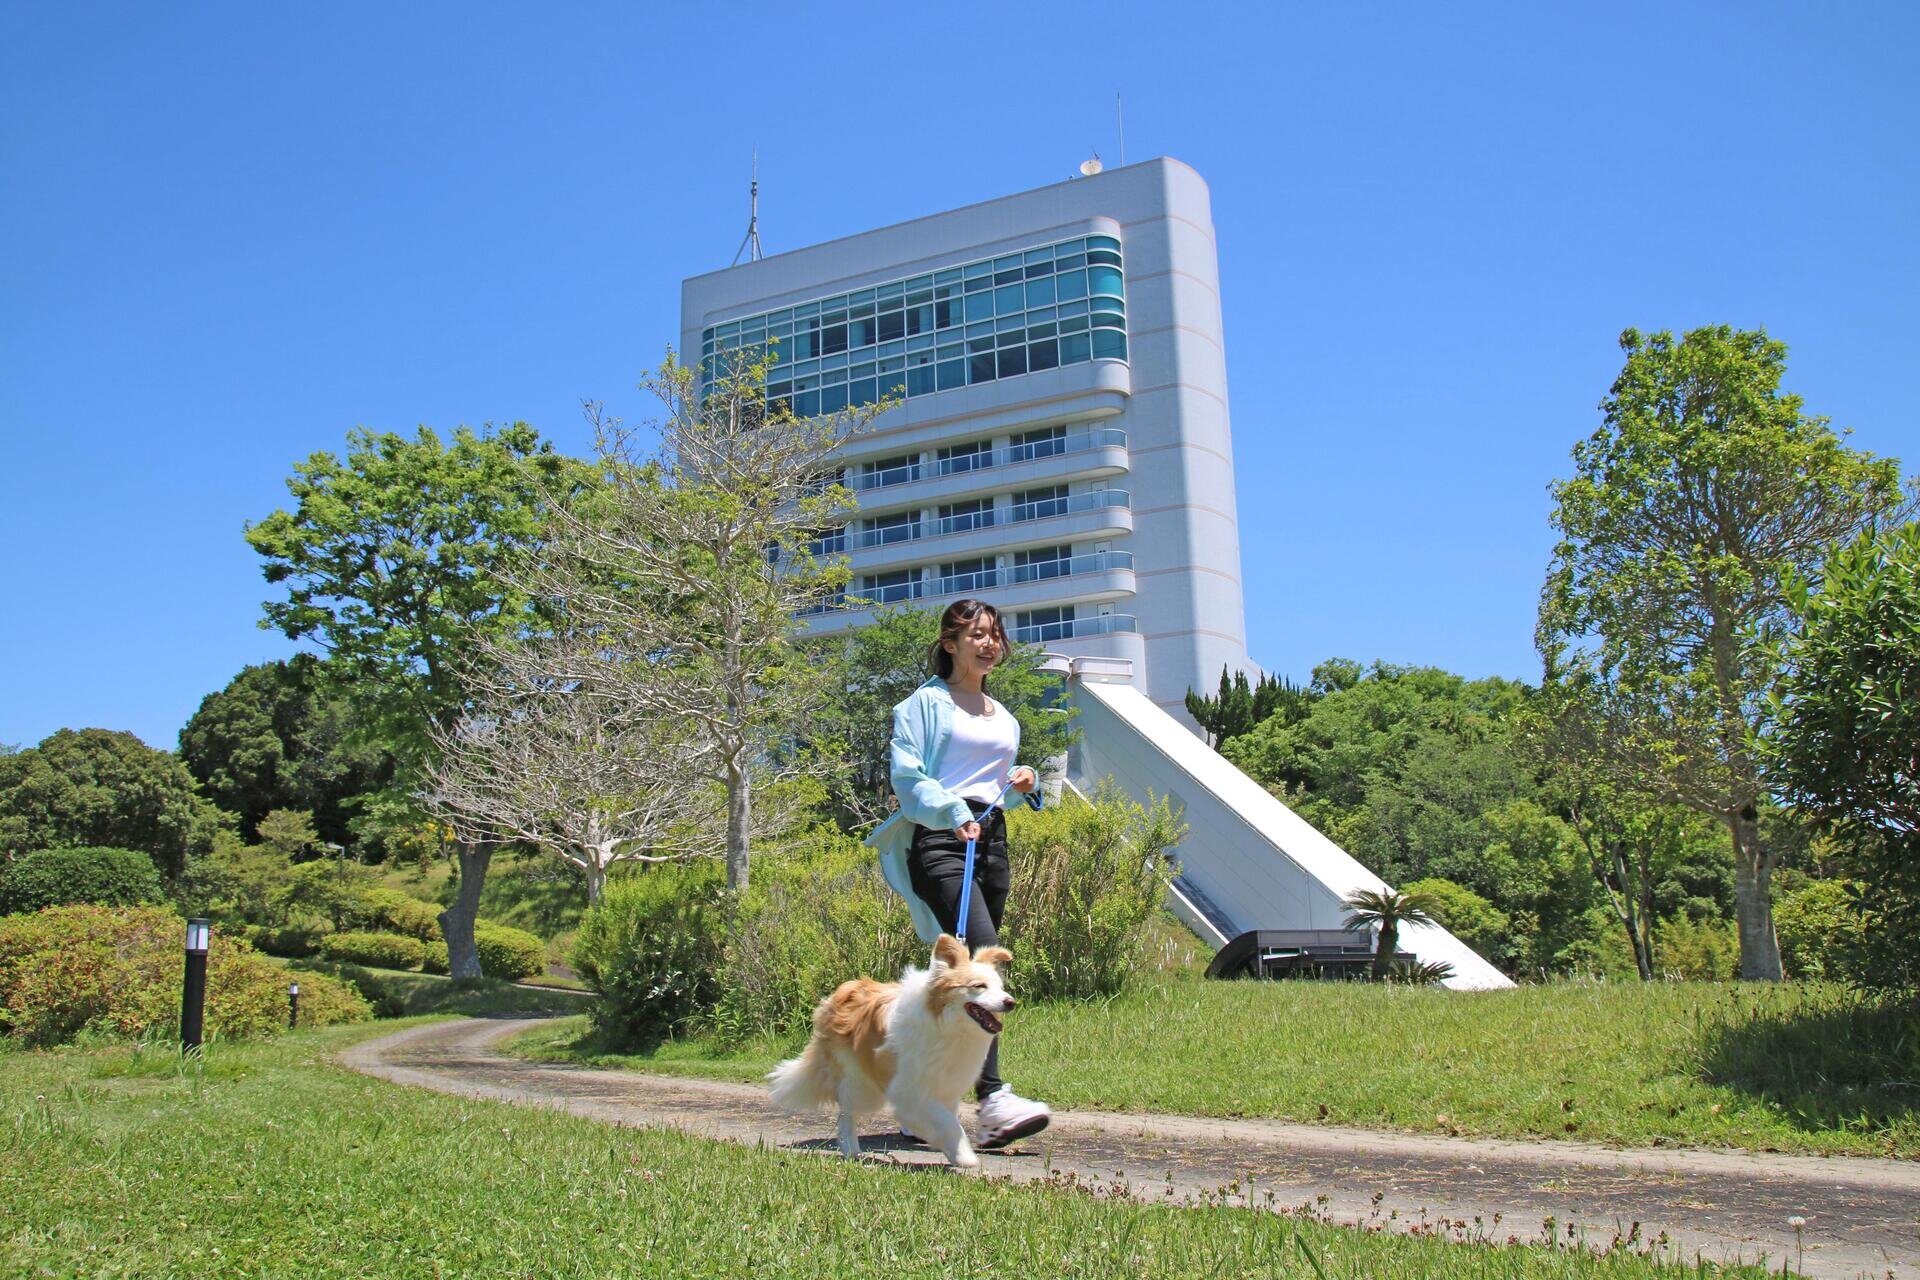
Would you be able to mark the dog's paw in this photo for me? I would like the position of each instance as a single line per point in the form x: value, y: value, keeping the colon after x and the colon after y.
x: 964, y: 1159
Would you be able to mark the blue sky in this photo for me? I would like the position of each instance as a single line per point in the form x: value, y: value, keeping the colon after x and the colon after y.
x: 229, y: 235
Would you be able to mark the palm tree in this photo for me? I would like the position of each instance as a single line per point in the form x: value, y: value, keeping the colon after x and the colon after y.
x: 1388, y: 909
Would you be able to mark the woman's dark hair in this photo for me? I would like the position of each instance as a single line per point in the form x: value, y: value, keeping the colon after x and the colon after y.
x: 959, y: 617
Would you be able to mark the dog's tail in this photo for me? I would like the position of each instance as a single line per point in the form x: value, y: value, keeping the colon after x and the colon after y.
x: 806, y: 1082
x: 809, y: 1081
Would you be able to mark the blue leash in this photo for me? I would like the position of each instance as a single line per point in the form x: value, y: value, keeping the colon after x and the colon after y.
x: 966, y: 876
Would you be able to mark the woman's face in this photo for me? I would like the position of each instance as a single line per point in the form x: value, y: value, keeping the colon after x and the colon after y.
x: 977, y: 647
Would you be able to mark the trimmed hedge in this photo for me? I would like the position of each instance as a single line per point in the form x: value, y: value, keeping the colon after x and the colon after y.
x: 104, y: 876
x: 508, y: 954
x: 70, y: 970
x: 436, y: 961
x: 384, y: 910
x: 378, y: 950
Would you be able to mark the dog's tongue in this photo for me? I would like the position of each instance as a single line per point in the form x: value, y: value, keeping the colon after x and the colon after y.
x: 988, y: 1023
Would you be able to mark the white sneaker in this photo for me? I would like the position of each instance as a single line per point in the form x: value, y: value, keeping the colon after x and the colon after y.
x: 1006, y: 1117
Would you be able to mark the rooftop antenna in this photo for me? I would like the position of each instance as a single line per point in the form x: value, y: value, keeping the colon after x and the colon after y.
x: 1120, y: 119
x: 752, y: 239
x: 1091, y: 165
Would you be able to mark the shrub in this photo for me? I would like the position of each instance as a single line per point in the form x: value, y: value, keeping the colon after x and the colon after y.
x: 651, y: 947
x: 1086, y: 878
x: 376, y: 989
x: 116, y: 971
x: 1821, y: 929
x: 1701, y: 950
x: 508, y: 954
x: 813, y: 918
x: 390, y: 911
x: 333, y: 889
x: 436, y: 959
x: 59, y: 877
x: 1468, y: 917
x: 299, y: 937
x: 380, y: 950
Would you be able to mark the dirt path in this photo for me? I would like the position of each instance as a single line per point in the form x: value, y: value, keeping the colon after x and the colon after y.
x: 1862, y: 1216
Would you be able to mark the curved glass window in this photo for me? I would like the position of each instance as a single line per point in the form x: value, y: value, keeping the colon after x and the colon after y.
x: 1027, y: 312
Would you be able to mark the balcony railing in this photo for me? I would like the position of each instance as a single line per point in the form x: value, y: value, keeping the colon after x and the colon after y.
x: 964, y: 522
x: 826, y: 604
x: 979, y: 580
x: 893, y: 592
x: 885, y: 476
x: 1094, y: 501
x: 1106, y: 624
x: 1092, y: 562
x: 1072, y: 442
x: 966, y: 583
x: 887, y: 535
x: 832, y: 545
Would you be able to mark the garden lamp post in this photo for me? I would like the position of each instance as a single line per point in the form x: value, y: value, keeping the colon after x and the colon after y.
x: 293, y: 1005
x: 193, y: 996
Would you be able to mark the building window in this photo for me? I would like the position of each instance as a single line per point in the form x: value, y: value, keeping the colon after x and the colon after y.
x: 958, y: 517
x: 1037, y: 626
x: 886, y: 530
x: 891, y: 588
x: 965, y: 457
x: 885, y: 471
x: 1041, y: 562
x: 1043, y: 443
x: 1038, y: 504
x: 1027, y: 312
x: 962, y: 577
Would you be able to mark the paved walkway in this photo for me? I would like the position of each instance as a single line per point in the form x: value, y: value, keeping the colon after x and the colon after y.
x: 1862, y: 1217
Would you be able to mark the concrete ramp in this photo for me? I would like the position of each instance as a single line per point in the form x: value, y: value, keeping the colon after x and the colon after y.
x: 1248, y: 861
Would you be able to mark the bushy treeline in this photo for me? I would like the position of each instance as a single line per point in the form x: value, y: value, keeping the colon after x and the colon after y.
x: 115, y: 971
x: 1440, y: 785
x: 670, y: 950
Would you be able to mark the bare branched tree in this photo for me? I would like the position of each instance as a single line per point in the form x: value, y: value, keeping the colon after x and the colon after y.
x: 544, y: 759
x: 692, y: 561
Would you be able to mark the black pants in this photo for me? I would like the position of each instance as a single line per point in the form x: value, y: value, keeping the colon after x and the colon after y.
x: 936, y: 863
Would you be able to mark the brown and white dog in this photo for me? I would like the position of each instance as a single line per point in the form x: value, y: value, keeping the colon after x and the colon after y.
x: 915, y: 1045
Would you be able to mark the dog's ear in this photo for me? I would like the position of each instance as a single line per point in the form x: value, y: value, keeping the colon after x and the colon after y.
x: 949, y: 950
x: 995, y: 956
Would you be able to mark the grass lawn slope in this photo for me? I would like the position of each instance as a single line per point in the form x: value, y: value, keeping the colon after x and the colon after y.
x: 1760, y: 1066
x: 268, y: 1161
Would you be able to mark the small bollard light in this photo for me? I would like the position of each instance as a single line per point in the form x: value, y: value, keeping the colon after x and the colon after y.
x: 193, y: 994
x: 293, y: 1005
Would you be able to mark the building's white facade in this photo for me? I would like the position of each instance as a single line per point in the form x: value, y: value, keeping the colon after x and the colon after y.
x: 1062, y: 449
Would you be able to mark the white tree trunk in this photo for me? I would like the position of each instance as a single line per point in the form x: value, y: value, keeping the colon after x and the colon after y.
x: 1753, y: 901
x: 739, y: 826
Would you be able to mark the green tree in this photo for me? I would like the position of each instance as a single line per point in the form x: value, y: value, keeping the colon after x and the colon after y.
x: 392, y: 559
x: 289, y: 833
x: 1239, y: 706
x: 1468, y: 917
x: 874, y: 667
x: 96, y: 787
x: 1387, y: 911
x: 1702, y: 488
x: 1846, y: 747
x: 278, y: 737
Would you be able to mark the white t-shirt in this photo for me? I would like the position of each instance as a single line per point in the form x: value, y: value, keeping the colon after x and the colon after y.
x: 979, y: 755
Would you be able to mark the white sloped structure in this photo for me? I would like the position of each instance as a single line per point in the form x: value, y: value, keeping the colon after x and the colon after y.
x: 1248, y: 862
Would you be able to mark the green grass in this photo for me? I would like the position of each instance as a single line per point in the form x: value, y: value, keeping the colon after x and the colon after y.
x: 266, y: 1160
x: 1757, y: 1066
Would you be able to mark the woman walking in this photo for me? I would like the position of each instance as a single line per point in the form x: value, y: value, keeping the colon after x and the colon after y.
x: 954, y: 749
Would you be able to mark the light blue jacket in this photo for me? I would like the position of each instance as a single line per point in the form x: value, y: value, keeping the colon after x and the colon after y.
x: 922, y: 725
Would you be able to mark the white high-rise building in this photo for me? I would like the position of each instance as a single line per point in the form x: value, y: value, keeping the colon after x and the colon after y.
x: 1061, y: 447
